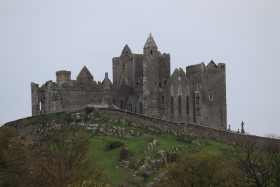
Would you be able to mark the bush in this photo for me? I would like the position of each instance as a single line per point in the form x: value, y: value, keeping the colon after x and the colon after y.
x: 88, y: 110
x: 125, y: 154
x: 172, y: 157
x: 201, y: 169
x: 114, y: 144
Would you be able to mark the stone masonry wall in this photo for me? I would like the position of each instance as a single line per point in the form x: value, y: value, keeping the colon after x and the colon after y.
x: 179, y: 129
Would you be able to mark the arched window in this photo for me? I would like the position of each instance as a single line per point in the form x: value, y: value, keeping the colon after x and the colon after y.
x: 140, y: 108
x: 172, y: 105
x: 188, y: 105
x: 180, y: 104
x: 197, y: 99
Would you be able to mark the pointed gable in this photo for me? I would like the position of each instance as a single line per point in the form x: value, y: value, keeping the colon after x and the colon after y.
x: 212, y: 64
x: 126, y: 50
x: 84, y: 73
x: 126, y: 53
x: 84, y: 76
x: 150, y: 42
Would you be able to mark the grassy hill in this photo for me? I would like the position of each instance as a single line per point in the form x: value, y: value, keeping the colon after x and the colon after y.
x: 150, y: 148
x: 133, y: 153
x: 166, y: 142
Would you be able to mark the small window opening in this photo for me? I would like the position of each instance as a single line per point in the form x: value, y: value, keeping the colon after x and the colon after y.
x: 123, y: 65
x: 40, y: 106
x: 121, y: 104
x: 151, y: 52
x: 137, y: 83
x: 197, y: 99
x: 159, y: 84
x: 91, y: 101
x: 210, y: 96
x: 164, y: 82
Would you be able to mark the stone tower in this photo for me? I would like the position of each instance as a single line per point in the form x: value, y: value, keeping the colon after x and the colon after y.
x: 143, y: 84
x: 150, y: 78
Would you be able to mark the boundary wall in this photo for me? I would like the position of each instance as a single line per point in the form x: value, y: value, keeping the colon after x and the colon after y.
x: 179, y: 129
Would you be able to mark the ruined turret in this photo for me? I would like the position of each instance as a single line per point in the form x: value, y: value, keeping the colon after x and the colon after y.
x: 150, y: 78
x: 63, y: 77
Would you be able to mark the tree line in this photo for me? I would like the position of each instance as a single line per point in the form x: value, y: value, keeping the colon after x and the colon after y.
x: 63, y: 158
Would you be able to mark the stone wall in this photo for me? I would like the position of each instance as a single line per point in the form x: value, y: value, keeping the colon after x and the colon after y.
x: 183, y: 129
x: 156, y: 125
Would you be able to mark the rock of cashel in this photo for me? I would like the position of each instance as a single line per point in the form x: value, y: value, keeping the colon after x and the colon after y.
x: 143, y: 84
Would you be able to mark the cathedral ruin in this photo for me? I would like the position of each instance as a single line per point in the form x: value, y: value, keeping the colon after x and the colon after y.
x: 143, y: 84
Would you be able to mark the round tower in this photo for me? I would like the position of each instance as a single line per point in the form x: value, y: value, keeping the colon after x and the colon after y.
x: 150, y: 78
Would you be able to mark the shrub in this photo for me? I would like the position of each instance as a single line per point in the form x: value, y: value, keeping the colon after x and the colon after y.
x: 172, y: 157
x: 125, y: 154
x: 114, y: 144
x: 88, y: 110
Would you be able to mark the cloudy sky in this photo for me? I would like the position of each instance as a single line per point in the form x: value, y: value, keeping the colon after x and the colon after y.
x: 38, y: 38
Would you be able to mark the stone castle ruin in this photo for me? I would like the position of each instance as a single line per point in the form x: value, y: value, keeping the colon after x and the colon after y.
x: 142, y: 84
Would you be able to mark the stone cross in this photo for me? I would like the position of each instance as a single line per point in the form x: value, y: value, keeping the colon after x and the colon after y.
x: 242, y: 128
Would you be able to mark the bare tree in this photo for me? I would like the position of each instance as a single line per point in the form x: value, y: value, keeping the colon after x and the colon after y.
x: 258, y: 165
x: 65, y: 160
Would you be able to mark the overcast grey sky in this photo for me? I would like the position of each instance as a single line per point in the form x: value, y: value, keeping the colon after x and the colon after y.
x: 38, y: 38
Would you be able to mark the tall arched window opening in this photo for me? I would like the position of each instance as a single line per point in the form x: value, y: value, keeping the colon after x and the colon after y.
x: 188, y: 105
x: 180, y: 104
x: 172, y: 105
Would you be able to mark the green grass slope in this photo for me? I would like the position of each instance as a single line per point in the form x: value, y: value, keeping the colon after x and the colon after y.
x: 168, y: 142
x: 102, y: 131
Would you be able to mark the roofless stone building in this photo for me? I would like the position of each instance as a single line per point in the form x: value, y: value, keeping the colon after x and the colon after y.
x: 142, y: 84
